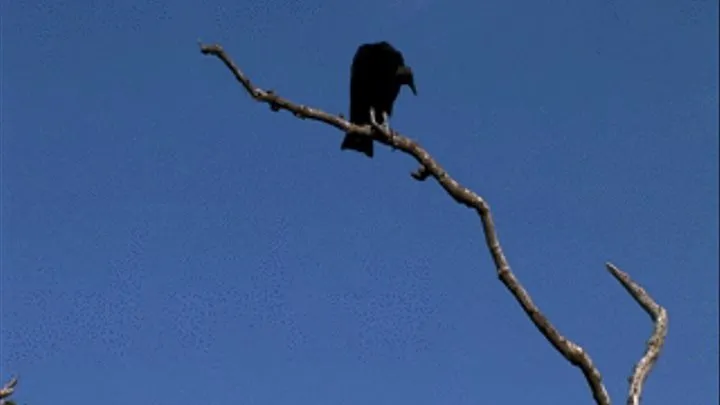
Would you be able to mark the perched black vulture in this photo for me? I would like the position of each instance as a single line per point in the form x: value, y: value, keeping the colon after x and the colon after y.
x: 378, y: 71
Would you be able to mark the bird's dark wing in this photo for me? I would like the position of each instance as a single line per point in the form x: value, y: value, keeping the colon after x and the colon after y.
x: 364, y: 82
x: 361, y: 98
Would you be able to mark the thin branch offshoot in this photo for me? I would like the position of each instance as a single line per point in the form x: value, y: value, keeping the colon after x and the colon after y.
x: 571, y: 351
x: 7, y: 390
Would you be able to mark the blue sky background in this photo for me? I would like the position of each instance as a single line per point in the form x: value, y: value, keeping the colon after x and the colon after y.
x: 167, y: 240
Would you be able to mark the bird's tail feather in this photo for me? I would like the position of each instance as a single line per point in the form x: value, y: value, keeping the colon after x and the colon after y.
x: 362, y: 144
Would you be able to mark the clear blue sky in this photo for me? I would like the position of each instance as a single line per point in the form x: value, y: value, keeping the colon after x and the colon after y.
x: 167, y: 240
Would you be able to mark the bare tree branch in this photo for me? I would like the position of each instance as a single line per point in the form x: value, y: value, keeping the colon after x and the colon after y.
x: 655, y: 344
x: 8, y: 389
x: 572, y: 352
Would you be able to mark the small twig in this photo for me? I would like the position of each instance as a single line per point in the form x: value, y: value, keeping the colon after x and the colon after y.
x: 421, y: 174
x: 572, y: 352
x: 655, y: 344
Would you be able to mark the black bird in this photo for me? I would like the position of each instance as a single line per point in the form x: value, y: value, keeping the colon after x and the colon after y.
x: 377, y: 73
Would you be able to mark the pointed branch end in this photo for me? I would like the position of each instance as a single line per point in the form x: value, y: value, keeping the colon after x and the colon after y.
x: 622, y: 277
x: 642, y: 297
x: 210, y: 49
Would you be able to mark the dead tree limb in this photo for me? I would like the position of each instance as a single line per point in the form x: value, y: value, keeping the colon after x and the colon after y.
x: 7, y: 390
x: 572, y: 352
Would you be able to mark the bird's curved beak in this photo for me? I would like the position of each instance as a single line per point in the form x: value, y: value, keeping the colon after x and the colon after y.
x: 405, y: 74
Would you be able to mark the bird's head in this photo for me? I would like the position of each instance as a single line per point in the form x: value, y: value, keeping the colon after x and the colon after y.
x: 405, y: 76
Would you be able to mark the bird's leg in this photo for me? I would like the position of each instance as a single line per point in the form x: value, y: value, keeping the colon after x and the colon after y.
x: 385, y: 125
x: 372, y: 116
x: 386, y: 122
x: 373, y: 119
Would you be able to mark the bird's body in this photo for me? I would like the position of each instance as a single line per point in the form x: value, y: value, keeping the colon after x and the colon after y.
x: 377, y: 73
